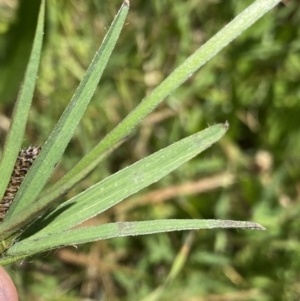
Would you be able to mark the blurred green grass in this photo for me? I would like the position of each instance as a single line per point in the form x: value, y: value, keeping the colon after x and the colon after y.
x: 253, y: 83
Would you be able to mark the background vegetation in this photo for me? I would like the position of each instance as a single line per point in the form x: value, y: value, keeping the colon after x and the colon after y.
x: 251, y: 174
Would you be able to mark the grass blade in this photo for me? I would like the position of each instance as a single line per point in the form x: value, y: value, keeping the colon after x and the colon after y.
x: 63, y: 132
x: 171, y: 83
x: 16, y: 133
x: 46, y: 202
x: 88, y: 234
x: 117, y: 187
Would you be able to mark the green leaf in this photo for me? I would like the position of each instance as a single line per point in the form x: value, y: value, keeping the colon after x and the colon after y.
x: 21, y: 110
x: 13, y: 225
x: 171, y: 83
x: 117, y: 187
x: 88, y: 234
x: 63, y: 131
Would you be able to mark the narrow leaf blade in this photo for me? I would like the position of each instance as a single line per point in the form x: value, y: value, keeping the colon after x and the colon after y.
x: 20, y: 115
x: 170, y: 84
x: 63, y: 131
x: 117, y: 187
x: 121, y: 229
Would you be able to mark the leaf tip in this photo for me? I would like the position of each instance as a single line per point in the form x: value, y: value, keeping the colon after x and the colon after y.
x: 126, y: 3
x: 253, y: 226
x: 258, y: 227
x: 226, y: 125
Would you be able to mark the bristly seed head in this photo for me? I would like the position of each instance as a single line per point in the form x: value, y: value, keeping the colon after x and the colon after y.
x: 24, y: 161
